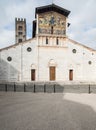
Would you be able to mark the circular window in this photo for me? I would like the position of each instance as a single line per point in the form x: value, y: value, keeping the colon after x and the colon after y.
x: 29, y: 49
x: 9, y: 58
x: 74, y: 50
x: 89, y: 62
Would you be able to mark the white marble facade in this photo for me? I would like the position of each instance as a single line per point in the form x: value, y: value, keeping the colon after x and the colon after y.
x: 37, y: 60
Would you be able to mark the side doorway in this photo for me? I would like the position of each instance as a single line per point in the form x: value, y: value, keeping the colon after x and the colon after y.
x: 33, y: 74
x: 71, y: 75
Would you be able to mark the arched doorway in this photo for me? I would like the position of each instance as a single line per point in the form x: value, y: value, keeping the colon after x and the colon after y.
x: 52, y: 73
x: 52, y: 70
x: 71, y: 74
x: 33, y: 72
x: 33, y: 75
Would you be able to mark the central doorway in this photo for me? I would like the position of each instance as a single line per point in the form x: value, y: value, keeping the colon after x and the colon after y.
x: 52, y: 73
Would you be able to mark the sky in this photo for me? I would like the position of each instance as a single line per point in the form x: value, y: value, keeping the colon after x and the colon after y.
x: 82, y: 19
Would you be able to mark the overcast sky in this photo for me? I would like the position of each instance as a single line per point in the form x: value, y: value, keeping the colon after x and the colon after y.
x: 82, y: 19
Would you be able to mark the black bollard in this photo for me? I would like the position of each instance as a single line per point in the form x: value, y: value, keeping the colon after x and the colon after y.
x: 44, y: 88
x: 34, y: 88
x: 14, y: 87
x: 24, y: 87
x: 54, y: 88
x: 89, y: 89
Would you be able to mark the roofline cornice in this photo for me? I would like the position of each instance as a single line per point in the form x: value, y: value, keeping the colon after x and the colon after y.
x: 52, y: 7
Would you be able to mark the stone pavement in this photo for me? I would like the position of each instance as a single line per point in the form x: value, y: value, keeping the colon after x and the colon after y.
x: 43, y: 111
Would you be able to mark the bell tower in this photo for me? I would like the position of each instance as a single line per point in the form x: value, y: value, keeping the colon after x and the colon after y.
x: 20, y: 30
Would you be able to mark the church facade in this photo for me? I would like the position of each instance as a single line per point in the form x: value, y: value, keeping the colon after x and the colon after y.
x: 50, y: 55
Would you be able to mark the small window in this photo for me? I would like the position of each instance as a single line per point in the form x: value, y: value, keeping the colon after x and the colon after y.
x: 9, y: 58
x: 74, y: 50
x: 57, y: 41
x: 20, y: 27
x: 46, y: 40
x: 20, y: 33
x: 20, y: 40
x: 29, y: 49
x: 89, y: 62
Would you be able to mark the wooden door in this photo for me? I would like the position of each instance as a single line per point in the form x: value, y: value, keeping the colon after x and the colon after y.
x: 33, y: 74
x: 70, y: 74
x: 52, y: 73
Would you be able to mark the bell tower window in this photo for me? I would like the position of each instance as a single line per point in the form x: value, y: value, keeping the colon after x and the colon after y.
x: 20, y: 27
x: 19, y: 40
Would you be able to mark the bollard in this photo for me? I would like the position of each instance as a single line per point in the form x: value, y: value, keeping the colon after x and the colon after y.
x: 14, y: 87
x: 34, y: 88
x: 6, y: 87
x: 89, y: 89
x: 44, y: 88
x: 54, y: 88
x: 24, y: 87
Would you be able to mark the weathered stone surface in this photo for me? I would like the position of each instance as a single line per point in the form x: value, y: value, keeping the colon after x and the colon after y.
x: 2, y: 87
x: 29, y: 87
x: 93, y: 88
x: 27, y: 111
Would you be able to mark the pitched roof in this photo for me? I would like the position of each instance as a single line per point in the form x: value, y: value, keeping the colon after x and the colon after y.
x: 52, y: 7
x: 25, y: 42
x: 77, y: 43
x: 17, y: 44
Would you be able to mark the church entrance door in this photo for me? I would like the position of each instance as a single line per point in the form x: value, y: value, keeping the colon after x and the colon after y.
x: 52, y: 73
x: 70, y: 74
x: 33, y: 74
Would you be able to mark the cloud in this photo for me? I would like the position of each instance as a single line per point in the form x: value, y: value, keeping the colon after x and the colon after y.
x: 7, y: 38
x: 83, y: 24
x: 82, y: 19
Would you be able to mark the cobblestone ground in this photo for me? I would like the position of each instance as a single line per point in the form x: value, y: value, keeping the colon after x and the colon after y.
x: 29, y: 111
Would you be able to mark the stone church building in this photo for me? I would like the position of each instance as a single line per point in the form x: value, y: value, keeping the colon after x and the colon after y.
x: 49, y: 55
